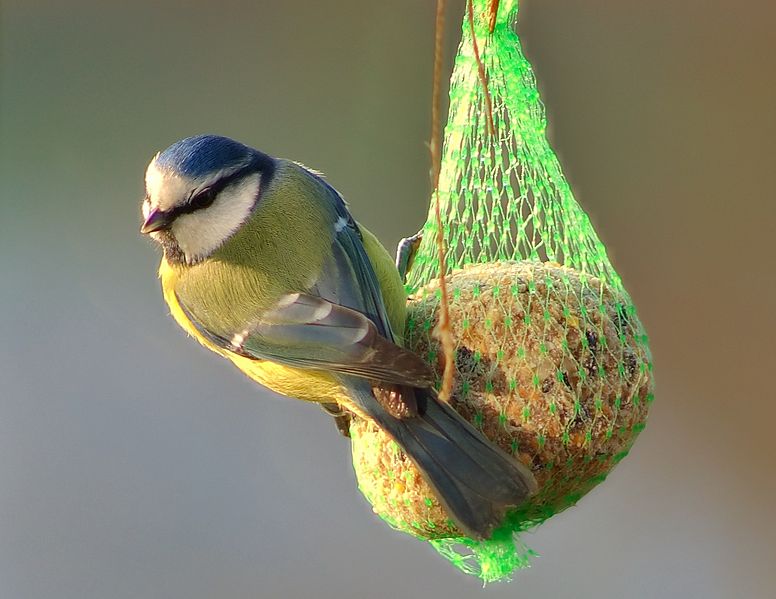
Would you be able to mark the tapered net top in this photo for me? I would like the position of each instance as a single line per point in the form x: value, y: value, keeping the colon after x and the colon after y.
x: 503, y: 196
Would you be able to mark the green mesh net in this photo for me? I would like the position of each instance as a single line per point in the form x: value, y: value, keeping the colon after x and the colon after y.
x: 551, y: 360
x: 504, y: 198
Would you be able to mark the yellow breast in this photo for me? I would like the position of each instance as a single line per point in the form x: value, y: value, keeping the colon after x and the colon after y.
x: 309, y: 385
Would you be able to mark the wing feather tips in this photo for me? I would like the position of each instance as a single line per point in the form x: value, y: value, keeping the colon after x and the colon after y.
x: 337, y: 338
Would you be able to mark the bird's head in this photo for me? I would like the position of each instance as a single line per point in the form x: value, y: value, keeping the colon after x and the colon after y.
x: 199, y: 191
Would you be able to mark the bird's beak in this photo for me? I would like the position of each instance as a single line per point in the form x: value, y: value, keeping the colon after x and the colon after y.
x: 157, y: 220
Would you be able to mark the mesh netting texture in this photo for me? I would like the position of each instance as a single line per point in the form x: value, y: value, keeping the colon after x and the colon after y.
x: 552, y: 363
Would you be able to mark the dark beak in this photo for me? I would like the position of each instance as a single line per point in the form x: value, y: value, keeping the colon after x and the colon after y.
x: 157, y: 220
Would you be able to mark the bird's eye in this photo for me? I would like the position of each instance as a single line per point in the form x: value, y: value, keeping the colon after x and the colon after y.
x: 203, y: 199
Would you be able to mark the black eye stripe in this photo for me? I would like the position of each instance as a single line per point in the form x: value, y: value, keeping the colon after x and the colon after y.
x: 207, y: 196
x: 203, y: 199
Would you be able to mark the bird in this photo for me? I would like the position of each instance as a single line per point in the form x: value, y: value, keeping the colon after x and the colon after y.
x: 263, y: 263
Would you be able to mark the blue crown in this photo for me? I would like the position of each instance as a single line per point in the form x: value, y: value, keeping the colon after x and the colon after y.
x: 201, y: 155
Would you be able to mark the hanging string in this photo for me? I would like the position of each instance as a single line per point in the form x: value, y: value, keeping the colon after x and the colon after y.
x: 493, y: 15
x: 443, y: 331
x: 480, y: 65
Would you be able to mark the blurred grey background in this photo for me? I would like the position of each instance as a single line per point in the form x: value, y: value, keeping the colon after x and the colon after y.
x: 133, y: 464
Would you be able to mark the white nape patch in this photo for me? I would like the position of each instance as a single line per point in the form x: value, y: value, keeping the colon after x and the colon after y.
x: 202, y: 232
x: 341, y: 223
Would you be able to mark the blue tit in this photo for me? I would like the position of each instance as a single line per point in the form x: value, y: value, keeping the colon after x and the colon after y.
x: 264, y: 265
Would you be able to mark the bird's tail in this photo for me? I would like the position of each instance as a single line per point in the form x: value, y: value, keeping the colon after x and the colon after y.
x: 474, y: 480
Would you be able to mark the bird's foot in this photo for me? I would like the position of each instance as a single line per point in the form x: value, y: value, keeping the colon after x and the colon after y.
x: 341, y: 418
x: 405, y: 253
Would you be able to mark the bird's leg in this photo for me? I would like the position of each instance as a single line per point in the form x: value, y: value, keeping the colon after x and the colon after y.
x: 341, y: 417
x: 405, y: 253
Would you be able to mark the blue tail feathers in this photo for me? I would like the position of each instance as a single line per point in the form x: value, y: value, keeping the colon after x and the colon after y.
x: 475, y: 481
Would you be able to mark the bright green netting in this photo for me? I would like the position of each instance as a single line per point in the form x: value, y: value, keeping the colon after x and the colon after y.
x: 504, y: 198
x: 566, y: 370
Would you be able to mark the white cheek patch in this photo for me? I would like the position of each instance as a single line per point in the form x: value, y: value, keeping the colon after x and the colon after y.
x: 202, y: 232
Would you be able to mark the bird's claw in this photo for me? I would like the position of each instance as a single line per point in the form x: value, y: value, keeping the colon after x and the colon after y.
x: 341, y: 418
x: 405, y: 253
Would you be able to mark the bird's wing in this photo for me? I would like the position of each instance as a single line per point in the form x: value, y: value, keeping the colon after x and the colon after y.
x: 305, y: 331
x: 339, y: 324
x: 348, y: 277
